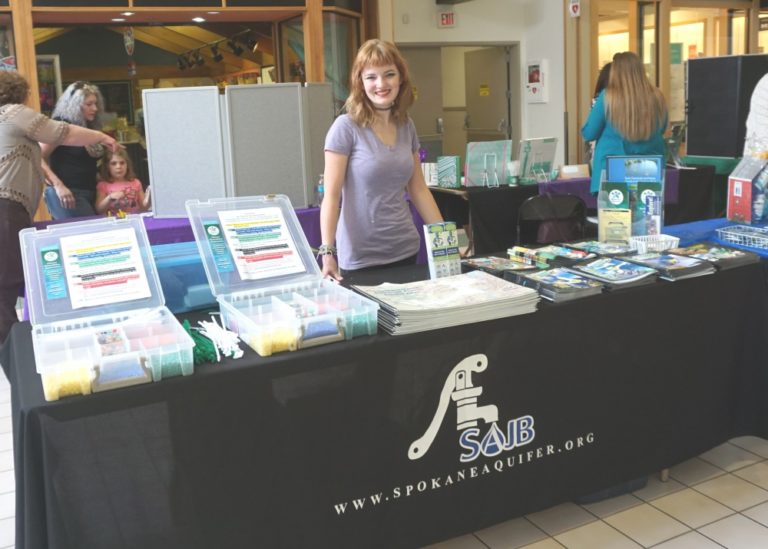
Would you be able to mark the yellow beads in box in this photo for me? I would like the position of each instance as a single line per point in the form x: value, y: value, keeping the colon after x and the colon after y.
x: 274, y: 341
x: 72, y: 378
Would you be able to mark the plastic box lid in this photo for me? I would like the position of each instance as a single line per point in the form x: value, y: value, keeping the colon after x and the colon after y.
x: 250, y: 243
x: 90, y: 268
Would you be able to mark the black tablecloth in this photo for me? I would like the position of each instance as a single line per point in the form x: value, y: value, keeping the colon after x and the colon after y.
x: 311, y: 448
x: 493, y: 216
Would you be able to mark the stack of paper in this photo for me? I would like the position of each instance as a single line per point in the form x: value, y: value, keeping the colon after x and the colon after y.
x: 461, y: 299
x: 674, y: 267
x: 615, y: 273
x: 721, y: 256
x: 560, y: 284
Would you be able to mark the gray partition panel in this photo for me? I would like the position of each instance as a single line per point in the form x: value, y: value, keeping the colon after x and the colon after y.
x: 269, y: 141
x: 184, y: 147
x: 319, y: 109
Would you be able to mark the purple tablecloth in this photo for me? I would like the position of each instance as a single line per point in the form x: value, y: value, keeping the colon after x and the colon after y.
x: 580, y: 187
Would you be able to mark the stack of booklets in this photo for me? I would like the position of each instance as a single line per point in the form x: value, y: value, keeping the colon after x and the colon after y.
x: 558, y: 285
x: 462, y: 299
x: 549, y: 256
x: 721, y: 256
x: 674, y: 267
x: 497, y: 266
x: 602, y: 248
x: 616, y: 273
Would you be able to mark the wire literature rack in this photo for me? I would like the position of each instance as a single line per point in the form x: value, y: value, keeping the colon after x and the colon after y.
x: 744, y: 235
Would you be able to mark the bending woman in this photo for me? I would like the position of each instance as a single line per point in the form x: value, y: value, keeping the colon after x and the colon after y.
x: 371, y: 160
x: 21, y: 178
x: 628, y: 118
x: 71, y: 177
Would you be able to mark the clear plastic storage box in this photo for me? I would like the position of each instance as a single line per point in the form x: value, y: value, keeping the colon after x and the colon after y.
x: 97, y: 308
x: 266, y: 279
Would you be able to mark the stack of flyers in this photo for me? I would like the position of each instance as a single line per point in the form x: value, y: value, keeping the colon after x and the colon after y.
x: 615, y: 273
x: 560, y: 284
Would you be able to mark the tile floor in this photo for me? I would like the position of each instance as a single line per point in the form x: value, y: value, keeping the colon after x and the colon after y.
x: 719, y: 499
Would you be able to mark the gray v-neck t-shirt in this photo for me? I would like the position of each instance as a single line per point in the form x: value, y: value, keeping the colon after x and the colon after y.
x: 375, y: 225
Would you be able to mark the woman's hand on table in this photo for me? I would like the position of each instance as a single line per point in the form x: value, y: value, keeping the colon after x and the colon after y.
x: 331, y: 267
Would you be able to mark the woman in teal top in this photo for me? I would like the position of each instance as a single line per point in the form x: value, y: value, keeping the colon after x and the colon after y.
x: 628, y: 118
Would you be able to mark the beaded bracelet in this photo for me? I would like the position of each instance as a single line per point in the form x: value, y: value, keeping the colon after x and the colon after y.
x: 326, y: 249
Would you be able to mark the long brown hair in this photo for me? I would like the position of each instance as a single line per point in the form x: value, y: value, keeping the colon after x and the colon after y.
x: 375, y: 53
x: 633, y: 105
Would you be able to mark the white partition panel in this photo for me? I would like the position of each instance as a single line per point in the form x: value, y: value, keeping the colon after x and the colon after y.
x: 184, y: 147
x: 318, y: 102
x: 274, y: 139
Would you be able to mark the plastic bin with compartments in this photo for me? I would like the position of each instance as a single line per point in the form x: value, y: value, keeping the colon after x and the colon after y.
x: 266, y: 279
x: 97, y: 308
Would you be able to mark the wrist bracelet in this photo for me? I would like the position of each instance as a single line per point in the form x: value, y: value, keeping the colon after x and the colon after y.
x: 326, y: 249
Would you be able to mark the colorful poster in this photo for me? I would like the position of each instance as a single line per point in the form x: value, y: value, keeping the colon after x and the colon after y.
x: 260, y: 243
x: 104, y: 268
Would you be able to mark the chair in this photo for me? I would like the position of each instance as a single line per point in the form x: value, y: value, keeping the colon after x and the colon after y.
x: 548, y: 218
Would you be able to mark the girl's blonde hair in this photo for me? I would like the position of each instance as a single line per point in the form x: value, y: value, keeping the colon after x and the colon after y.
x: 633, y: 105
x: 104, y: 174
x: 376, y: 53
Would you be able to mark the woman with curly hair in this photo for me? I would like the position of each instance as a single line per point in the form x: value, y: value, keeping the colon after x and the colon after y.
x: 21, y: 178
x: 71, y: 177
x: 371, y: 160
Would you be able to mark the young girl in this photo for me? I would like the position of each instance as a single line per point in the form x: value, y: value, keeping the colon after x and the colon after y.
x: 118, y: 189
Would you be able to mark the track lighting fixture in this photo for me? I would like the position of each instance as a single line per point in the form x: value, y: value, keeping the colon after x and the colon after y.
x: 193, y: 58
x: 234, y: 46
x: 216, y: 55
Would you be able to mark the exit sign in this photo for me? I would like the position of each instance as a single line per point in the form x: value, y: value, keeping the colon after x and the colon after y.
x: 446, y: 19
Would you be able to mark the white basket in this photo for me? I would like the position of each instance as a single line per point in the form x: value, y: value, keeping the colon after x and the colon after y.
x: 653, y: 243
x: 744, y: 235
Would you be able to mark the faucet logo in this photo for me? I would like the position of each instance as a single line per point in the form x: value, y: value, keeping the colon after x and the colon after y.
x: 459, y: 388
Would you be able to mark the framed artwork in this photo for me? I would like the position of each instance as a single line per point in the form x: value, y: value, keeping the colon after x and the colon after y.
x: 7, y: 54
x: 118, y: 97
x: 49, y: 82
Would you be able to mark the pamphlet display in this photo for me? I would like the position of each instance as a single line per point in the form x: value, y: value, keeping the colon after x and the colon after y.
x: 487, y: 163
x: 644, y: 176
x: 614, y: 218
x: 449, y: 172
x: 746, y: 191
x: 442, y: 242
x: 266, y: 279
x: 537, y: 159
x: 97, y: 308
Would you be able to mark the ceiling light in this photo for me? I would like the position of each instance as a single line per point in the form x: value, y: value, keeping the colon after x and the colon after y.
x: 127, y: 13
x: 197, y: 59
x: 182, y: 62
x: 253, y: 44
x: 198, y: 19
x: 213, y: 12
x: 236, y: 49
x: 216, y: 55
x: 118, y: 19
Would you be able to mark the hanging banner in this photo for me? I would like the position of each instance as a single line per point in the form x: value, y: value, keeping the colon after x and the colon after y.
x: 129, y: 40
